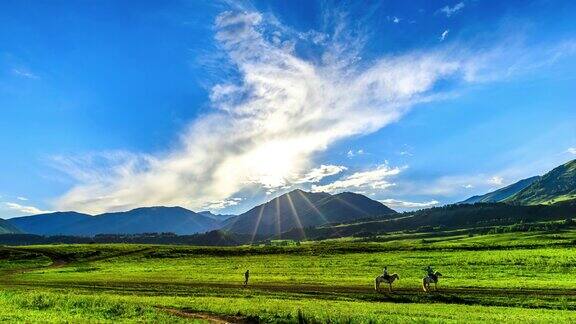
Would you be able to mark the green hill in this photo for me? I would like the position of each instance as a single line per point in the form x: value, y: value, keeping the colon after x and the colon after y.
x: 556, y: 185
x: 502, y: 193
x: 449, y: 217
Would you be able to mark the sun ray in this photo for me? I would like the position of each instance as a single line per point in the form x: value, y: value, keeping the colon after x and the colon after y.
x: 296, y: 216
x: 313, y: 207
x: 278, y: 224
x: 316, y: 210
x: 352, y: 206
x: 257, y: 225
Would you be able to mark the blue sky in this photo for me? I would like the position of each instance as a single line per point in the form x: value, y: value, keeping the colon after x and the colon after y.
x: 110, y: 105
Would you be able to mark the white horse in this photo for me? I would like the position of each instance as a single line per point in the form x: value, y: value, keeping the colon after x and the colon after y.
x: 426, y: 281
x: 388, y: 280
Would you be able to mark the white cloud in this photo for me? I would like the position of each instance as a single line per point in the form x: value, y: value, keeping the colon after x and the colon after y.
x: 267, y: 127
x: 449, y: 185
x: 25, y: 74
x: 496, y: 180
x: 319, y: 173
x: 24, y: 209
x: 395, y: 203
x: 217, y: 205
x: 571, y: 150
x: 352, y: 153
x: 372, y: 179
x: 396, y: 20
x: 449, y: 11
x: 22, y: 198
x: 444, y: 34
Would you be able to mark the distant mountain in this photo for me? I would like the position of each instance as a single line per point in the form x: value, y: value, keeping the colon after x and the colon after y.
x: 218, y: 217
x: 7, y: 228
x: 502, y: 193
x: 51, y: 223
x: 555, y: 186
x: 299, y: 209
x: 449, y: 217
x: 141, y: 220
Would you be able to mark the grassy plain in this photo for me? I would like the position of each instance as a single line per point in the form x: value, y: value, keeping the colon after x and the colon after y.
x: 509, y: 277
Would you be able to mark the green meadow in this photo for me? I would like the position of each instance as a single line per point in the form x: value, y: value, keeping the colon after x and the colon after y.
x: 509, y: 277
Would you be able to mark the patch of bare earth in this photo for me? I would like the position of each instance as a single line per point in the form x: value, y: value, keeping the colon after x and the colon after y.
x: 210, y: 318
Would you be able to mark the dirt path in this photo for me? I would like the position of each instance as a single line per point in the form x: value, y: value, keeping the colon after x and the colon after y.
x: 210, y: 318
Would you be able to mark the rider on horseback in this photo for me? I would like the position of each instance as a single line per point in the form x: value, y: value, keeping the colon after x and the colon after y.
x: 430, y: 273
x: 385, y: 274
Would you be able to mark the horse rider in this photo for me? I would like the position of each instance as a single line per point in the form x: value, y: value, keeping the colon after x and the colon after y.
x: 246, y: 277
x: 385, y: 274
x: 430, y: 273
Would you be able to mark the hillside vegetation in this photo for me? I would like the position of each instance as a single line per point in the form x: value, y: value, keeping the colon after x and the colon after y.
x: 503, y: 193
x: 556, y: 185
x: 460, y: 216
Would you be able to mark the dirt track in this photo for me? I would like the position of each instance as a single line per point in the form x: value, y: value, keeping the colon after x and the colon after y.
x: 210, y: 318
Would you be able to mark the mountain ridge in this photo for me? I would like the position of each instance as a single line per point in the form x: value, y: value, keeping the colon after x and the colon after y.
x: 300, y: 209
x: 557, y: 185
x: 138, y: 220
x: 501, y: 194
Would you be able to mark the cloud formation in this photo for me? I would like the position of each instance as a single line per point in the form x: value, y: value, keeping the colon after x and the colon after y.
x: 449, y: 185
x: 321, y: 172
x: 217, y: 205
x: 268, y: 124
x: 23, y: 73
x: 496, y: 180
x: 395, y: 203
x: 449, y: 11
x: 28, y: 210
x: 444, y: 35
x: 352, y: 153
x: 371, y: 179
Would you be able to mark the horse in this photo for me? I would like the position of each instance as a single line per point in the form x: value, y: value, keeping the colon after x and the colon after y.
x: 430, y: 279
x: 390, y: 279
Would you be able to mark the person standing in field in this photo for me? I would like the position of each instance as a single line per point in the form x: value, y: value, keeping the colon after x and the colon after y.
x: 246, y: 277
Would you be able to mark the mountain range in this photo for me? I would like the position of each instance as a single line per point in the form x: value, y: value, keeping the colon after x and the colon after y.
x: 140, y: 220
x: 298, y: 210
x: 559, y: 184
x: 502, y: 194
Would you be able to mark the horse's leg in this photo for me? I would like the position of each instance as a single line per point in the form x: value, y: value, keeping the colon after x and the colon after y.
x: 390, y: 288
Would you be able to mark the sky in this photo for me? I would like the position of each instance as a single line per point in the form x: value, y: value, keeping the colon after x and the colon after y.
x: 221, y: 105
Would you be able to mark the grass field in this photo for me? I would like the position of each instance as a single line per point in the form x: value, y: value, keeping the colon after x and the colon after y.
x: 511, y: 277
